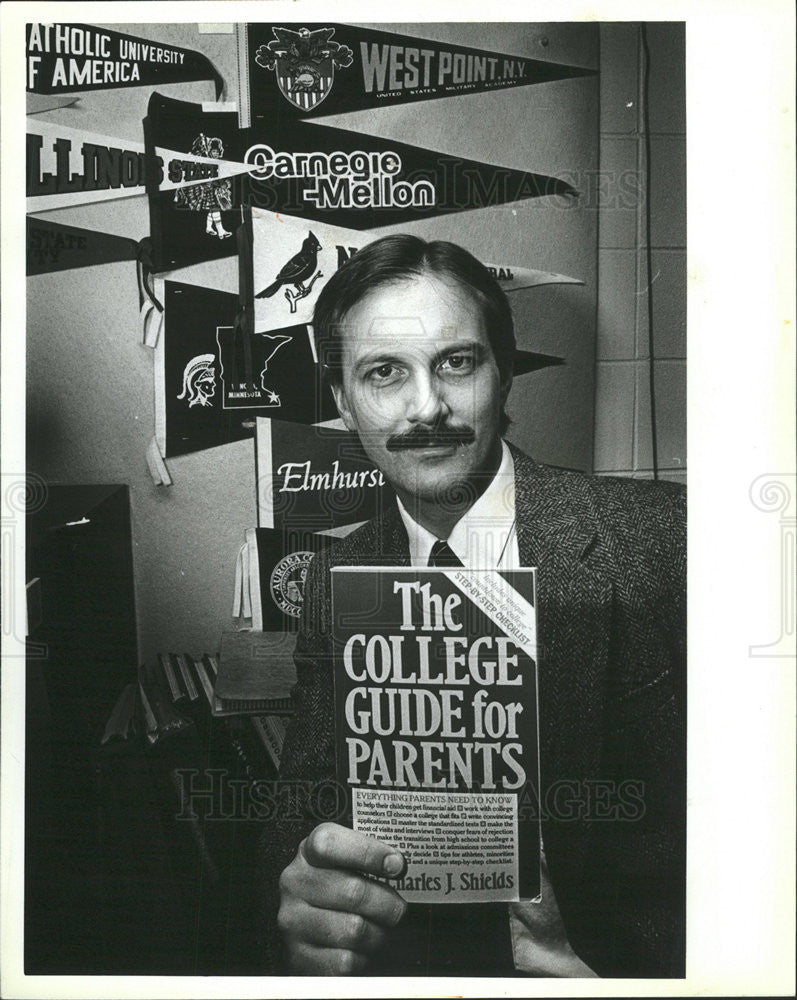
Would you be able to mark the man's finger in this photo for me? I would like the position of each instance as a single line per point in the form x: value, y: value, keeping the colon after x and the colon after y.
x: 333, y: 846
x: 330, y: 928
x: 333, y: 889
x: 311, y: 960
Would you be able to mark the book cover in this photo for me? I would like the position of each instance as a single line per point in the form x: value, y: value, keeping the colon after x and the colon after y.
x: 270, y: 730
x: 162, y: 720
x: 255, y: 673
x: 436, y: 725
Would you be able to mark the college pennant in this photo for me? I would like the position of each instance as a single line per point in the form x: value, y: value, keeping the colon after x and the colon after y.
x: 315, y: 478
x: 292, y: 259
x: 342, y: 178
x: 37, y: 104
x: 363, y: 182
x: 198, y: 224
x: 51, y: 246
x: 68, y: 166
x: 269, y: 576
x: 305, y: 70
x: 66, y: 58
x: 203, y: 397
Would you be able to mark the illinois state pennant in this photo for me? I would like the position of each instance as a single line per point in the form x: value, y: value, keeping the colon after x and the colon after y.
x: 363, y: 182
x: 67, y: 166
x: 191, y: 226
x: 292, y: 259
x: 65, y: 58
x: 305, y: 70
x: 202, y: 395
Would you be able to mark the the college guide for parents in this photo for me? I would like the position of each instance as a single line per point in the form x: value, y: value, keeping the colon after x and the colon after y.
x: 436, y: 725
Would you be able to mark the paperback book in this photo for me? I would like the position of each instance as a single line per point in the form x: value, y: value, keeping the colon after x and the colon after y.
x: 436, y: 725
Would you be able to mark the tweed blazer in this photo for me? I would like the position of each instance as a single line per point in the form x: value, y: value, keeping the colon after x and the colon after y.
x: 611, y: 560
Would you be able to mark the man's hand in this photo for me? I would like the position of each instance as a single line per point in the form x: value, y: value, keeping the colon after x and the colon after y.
x: 331, y: 915
x: 540, y: 945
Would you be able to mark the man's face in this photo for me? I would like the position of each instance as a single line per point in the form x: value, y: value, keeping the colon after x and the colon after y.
x: 206, y: 382
x: 421, y: 387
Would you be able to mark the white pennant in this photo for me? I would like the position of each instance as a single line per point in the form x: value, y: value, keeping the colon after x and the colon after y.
x: 115, y: 166
x: 292, y: 260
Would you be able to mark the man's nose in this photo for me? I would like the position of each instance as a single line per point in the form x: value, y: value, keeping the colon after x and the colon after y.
x: 427, y: 401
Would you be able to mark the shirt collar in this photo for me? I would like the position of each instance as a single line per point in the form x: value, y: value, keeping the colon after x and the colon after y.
x: 483, y: 532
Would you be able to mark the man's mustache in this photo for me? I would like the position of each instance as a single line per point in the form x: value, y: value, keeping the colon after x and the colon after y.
x: 426, y: 437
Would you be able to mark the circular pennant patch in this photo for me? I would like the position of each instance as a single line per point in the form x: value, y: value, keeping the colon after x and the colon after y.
x: 287, y: 582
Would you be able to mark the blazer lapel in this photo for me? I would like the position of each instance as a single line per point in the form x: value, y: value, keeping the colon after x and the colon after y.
x: 558, y: 533
x: 393, y: 546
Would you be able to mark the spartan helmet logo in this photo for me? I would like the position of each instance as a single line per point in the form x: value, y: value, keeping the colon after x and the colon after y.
x: 199, y: 380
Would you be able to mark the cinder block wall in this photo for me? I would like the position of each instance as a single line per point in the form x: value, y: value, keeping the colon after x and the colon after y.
x: 623, y: 440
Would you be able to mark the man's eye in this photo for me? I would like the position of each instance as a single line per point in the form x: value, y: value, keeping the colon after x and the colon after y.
x: 383, y: 373
x: 461, y: 364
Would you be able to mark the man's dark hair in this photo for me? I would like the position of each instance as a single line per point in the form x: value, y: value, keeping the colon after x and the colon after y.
x: 396, y: 258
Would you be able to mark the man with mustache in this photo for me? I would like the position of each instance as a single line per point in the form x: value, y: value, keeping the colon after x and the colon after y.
x: 418, y: 343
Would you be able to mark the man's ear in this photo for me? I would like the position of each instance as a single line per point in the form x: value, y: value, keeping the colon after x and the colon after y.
x: 340, y: 401
x: 506, y: 385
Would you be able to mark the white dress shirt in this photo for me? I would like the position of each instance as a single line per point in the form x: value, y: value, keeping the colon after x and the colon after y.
x: 485, y: 537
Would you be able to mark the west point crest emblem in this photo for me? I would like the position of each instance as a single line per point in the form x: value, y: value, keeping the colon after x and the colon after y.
x: 305, y: 63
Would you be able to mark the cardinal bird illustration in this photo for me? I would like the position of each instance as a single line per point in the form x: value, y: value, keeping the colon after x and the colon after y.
x: 298, y: 269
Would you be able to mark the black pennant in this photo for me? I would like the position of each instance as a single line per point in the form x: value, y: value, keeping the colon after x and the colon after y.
x: 316, y: 478
x: 278, y: 572
x: 362, y: 181
x: 209, y: 395
x: 313, y: 171
x: 305, y: 70
x: 196, y: 224
x: 67, y: 58
x: 52, y: 246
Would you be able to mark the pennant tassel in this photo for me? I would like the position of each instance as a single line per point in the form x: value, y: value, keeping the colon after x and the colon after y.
x: 150, y: 323
x: 237, y: 597
x: 250, y: 557
x: 157, y: 467
x: 151, y: 313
